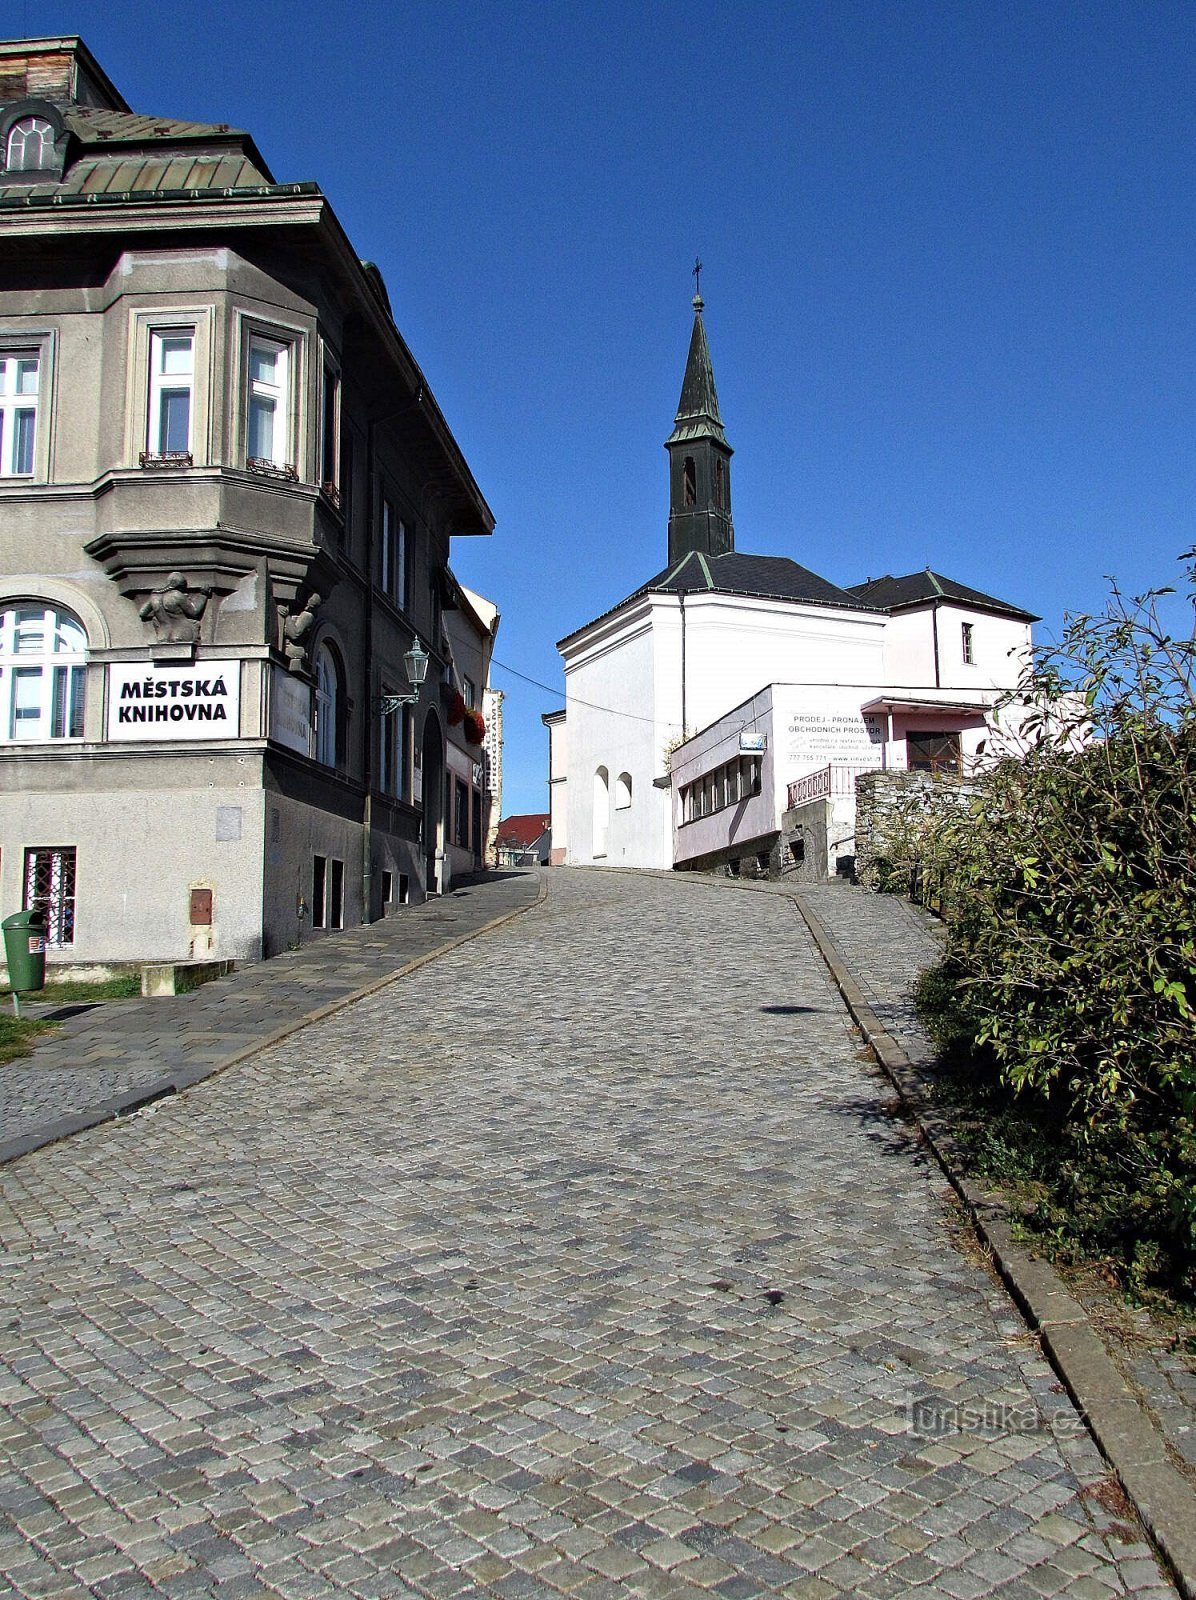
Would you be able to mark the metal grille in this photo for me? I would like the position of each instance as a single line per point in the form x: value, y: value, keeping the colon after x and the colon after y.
x: 50, y: 889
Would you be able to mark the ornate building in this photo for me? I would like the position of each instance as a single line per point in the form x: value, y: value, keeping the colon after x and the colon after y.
x: 226, y: 501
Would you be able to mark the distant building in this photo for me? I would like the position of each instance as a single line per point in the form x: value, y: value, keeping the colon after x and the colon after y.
x: 695, y: 704
x: 558, y: 772
x: 226, y: 501
x: 524, y: 841
x: 470, y: 627
x: 492, y: 747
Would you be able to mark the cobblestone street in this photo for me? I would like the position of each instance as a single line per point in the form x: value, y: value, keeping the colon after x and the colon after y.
x: 591, y: 1258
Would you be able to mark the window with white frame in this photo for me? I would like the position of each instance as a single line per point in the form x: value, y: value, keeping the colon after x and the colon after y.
x: 327, y: 706
x: 468, y: 693
x: 30, y: 146
x: 43, y: 671
x: 394, y: 741
x: 967, y: 643
x: 171, y: 385
x: 19, y: 383
x: 267, y: 437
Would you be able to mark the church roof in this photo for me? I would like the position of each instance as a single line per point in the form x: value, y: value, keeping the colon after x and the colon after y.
x: 768, y: 577
x: 697, y: 411
x: 919, y: 588
x: 761, y: 577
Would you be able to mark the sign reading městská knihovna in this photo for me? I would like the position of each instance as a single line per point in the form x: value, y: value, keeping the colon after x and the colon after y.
x: 200, y: 701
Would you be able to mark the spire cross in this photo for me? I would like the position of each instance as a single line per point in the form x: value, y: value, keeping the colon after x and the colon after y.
x: 697, y: 277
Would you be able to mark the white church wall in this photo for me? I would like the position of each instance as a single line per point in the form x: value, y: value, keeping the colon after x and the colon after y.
x: 614, y: 730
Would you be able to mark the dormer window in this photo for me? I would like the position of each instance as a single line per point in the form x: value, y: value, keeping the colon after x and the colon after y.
x: 30, y: 146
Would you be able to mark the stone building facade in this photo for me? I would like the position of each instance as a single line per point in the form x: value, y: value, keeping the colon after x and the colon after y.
x: 226, y: 501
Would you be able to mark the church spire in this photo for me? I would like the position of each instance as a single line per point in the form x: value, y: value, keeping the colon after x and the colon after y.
x: 699, y: 457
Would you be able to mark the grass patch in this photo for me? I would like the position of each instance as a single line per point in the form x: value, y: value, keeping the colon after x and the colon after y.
x: 73, y: 989
x: 17, y: 1035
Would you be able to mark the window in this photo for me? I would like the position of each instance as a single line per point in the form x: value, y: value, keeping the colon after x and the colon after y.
x: 328, y: 703
x: 601, y: 810
x: 50, y: 889
x: 932, y: 752
x: 623, y: 791
x: 689, y: 482
x: 966, y: 632
x: 327, y: 892
x: 172, y: 378
x: 393, y: 746
x: 268, y: 431
x: 461, y: 814
x: 330, y: 434
x: 388, y: 886
x: 393, y: 556
x: 469, y: 693
x: 30, y: 146
x: 476, y: 820
x: 19, y: 370
x: 720, y: 483
x: 43, y: 670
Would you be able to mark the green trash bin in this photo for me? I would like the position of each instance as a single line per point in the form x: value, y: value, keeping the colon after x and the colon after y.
x: 25, y: 950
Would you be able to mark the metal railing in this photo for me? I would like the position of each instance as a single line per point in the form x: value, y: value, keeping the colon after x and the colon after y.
x: 822, y: 784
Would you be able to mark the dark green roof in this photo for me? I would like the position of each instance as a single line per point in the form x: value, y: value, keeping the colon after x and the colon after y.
x: 697, y: 411
x: 921, y: 588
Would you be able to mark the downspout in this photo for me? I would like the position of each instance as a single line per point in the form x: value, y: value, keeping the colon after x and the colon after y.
x: 367, y: 814
x: 684, y: 724
x: 934, y: 624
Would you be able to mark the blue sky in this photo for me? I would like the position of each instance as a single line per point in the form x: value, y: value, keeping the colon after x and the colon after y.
x: 948, y: 256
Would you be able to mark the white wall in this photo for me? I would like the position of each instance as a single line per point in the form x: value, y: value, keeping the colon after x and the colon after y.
x: 1000, y: 647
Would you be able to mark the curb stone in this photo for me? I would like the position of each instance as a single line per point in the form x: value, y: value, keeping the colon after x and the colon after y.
x: 187, y: 1077
x: 1129, y: 1442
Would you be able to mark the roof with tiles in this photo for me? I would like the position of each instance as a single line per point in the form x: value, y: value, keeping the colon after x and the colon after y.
x: 922, y: 588
x: 523, y: 831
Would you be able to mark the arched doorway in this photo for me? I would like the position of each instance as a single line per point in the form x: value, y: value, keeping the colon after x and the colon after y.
x: 432, y: 827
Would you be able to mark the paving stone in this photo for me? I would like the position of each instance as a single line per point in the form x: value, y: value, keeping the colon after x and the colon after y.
x: 422, y: 1301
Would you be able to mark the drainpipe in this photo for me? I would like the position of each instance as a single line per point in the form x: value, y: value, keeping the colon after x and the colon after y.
x: 934, y: 624
x: 367, y: 814
x: 684, y: 724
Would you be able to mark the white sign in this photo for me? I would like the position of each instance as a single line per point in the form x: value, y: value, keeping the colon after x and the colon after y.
x: 200, y: 701
x: 753, y: 744
x: 290, y: 711
x: 819, y: 738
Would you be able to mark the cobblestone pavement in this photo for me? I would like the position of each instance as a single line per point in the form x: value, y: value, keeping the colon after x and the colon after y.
x: 590, y: 1262
x: 101, y: 1053
x: 886, y: 942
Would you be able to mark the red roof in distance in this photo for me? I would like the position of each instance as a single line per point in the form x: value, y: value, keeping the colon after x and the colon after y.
x: 522, y: 831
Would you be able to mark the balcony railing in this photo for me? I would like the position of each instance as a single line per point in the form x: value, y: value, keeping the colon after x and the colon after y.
x: 823, y: 784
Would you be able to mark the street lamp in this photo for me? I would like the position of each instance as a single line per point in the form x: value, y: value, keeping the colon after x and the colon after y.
x: 416, y: 662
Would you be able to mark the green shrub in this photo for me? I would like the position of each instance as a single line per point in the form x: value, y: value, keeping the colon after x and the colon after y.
x: 1071, y: 933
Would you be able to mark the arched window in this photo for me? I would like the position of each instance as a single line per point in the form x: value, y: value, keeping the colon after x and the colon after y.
x: 601, y: 810
x: 43, y: 670
x: 720, y: 483
x: 30, y: 146
x: 623, y: 791
x: 689, y: 482
x: 328, y: 706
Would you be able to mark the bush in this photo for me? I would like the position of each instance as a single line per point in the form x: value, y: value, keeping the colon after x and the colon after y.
x: 1071, y: 944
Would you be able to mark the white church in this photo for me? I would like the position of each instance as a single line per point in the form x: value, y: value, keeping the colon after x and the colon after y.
x: 731, y: 688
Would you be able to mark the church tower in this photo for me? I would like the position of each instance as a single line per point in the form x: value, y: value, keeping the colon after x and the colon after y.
x: 699, y: 460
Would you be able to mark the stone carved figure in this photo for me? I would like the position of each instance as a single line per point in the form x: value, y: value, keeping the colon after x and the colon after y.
x: 295, y: 628
x: 177, y: 609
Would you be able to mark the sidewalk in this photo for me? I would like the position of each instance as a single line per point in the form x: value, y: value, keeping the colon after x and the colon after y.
x: 883, y: 942
x: 107, y: 1059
